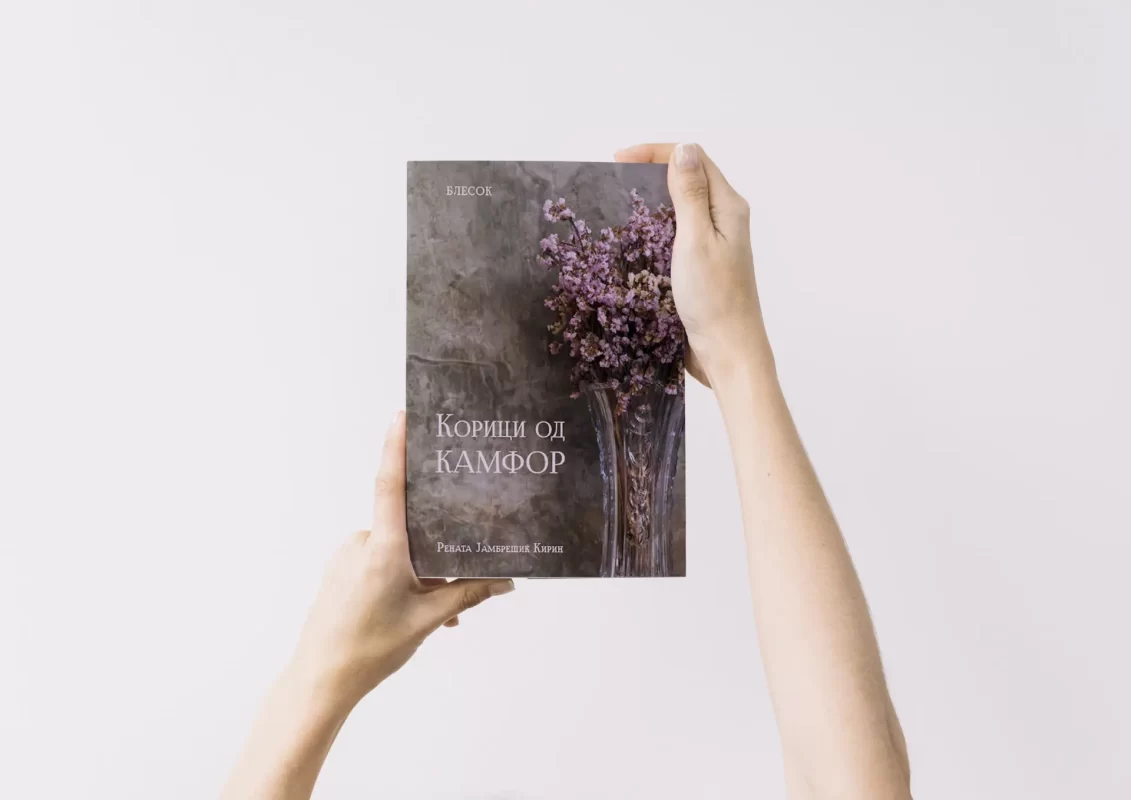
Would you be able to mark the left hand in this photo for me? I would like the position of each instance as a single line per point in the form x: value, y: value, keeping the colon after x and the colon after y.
x: 372, y: 612
x: 712, y: 263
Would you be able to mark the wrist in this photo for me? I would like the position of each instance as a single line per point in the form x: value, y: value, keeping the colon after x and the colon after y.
x: 320, y: 691
x: 742, y: 354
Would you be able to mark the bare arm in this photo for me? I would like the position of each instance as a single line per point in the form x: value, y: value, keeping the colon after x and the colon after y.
x: 370, y: 615
x: 838, y: 727
x: 289, y: 741
x: 840, y: 735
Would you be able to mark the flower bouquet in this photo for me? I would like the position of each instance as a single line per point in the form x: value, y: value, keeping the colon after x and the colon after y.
x: 616, y: 317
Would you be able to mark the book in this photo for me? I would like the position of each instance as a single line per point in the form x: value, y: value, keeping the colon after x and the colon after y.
x: 544, y: 372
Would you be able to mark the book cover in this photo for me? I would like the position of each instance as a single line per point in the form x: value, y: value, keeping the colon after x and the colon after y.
x: 545, y: 405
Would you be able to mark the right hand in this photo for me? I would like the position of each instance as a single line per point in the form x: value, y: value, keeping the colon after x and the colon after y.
x: 712, y: 262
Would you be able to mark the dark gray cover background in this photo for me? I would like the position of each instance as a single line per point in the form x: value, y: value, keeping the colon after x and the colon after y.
x: 477, y: 350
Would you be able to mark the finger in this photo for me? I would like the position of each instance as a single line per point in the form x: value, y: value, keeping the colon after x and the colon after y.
x: 646, y: 153
x: 661, y: 153
x: 389, y: 499
x: 430, y: 585
x: 691, y: 191
x: 447, y: 602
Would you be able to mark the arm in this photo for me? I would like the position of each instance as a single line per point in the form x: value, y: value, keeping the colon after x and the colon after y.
x: 839, y: 730
x: 370, y: 615
x: 840, y: 735
x: 289, y: 740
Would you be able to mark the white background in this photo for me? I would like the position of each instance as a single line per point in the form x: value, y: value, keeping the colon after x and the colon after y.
x: 201, y: 342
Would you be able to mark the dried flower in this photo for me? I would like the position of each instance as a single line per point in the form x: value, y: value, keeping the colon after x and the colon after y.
x: 613, y: 300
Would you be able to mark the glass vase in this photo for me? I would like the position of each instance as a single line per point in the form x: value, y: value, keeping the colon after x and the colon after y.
x: 639, y: 450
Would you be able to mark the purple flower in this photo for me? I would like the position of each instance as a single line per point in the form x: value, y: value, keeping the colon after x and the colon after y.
x: 613, y: 300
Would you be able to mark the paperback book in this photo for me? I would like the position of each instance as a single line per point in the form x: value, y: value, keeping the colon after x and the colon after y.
x: 544, y: 374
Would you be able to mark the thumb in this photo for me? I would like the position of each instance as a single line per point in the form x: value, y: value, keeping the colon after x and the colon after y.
x: 389, y: 497
x: 690, y: 189
x: 451, y: 599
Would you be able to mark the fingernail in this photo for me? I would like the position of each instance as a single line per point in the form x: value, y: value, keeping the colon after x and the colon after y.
x: 396, y: 419
x: 500, y: 587
x: 687, y: 156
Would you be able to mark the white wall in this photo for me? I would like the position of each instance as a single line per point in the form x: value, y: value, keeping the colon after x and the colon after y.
x: 201, y: 341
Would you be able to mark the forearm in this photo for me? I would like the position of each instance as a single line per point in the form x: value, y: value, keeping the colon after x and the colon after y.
x: 370, y: 616
x: 839, y: 731
x: 289, y: 741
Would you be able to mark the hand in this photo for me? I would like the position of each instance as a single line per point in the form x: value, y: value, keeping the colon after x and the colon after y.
x: 372, y: 612
x: 712, y: 264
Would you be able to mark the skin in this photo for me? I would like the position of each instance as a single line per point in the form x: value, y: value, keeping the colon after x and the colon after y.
x: 370, y: 616
x: 840, y: 735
